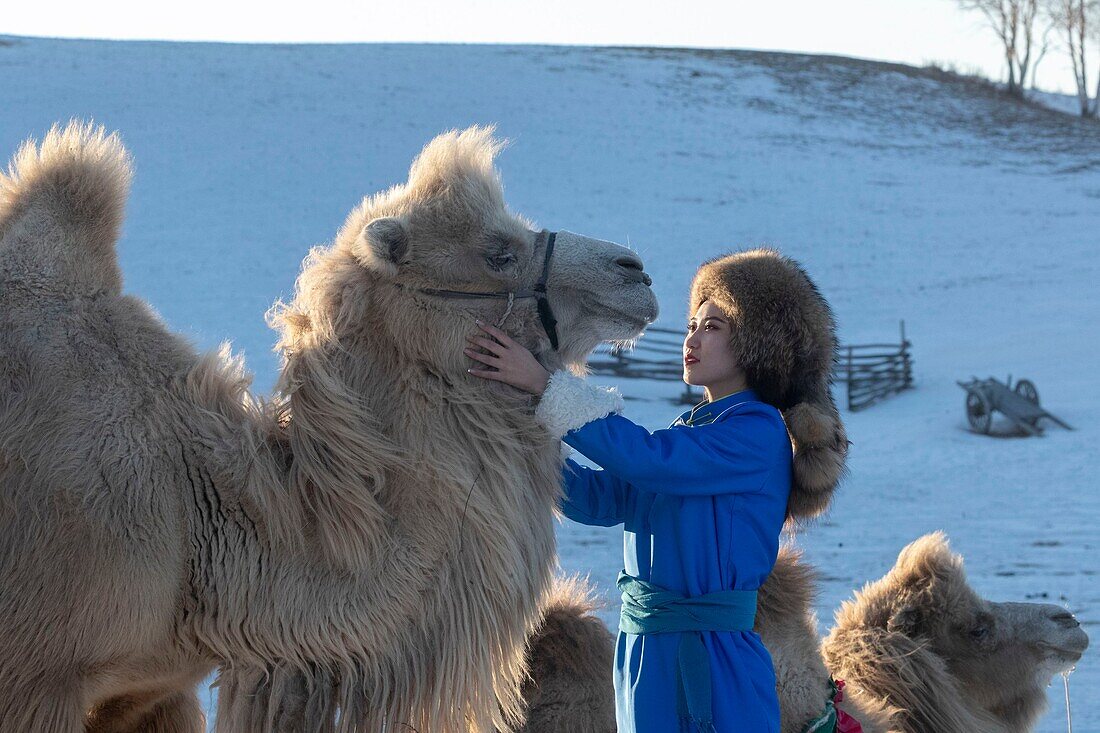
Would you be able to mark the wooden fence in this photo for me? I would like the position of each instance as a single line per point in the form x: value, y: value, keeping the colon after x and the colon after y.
x: 656, y: 355
x: 870, y: 371
x: 875, y: 371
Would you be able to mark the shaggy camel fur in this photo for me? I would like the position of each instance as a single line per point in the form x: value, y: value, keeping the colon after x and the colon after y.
x: 371, y: 544
x: 921, y: 646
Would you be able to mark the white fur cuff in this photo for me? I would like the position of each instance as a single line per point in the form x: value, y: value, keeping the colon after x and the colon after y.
x: 570, y: 402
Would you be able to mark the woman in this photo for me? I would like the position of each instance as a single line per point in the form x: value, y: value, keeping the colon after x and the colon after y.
x: 702, y: 502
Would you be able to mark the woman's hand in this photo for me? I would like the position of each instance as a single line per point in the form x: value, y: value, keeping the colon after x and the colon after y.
x: 513, y: 364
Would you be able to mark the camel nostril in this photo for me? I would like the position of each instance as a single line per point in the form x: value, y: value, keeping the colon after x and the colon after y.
x: 633, y: 267
x: 1066, y: 619
x: 629, y: 263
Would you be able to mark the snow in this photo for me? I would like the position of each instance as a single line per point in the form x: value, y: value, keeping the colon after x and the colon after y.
x: 1069, y: 104
x: 905, y: 195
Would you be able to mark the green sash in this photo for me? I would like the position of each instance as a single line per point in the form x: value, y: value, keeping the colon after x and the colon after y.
x: 651, y: 609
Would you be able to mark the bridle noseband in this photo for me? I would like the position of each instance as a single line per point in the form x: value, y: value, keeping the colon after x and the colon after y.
x: 538, y: 291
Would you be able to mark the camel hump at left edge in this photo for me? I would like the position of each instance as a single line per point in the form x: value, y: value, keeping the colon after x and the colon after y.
x: 61, y: 209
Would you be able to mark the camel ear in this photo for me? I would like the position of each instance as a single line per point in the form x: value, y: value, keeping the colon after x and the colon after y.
x: 382, y: 245
x: 905, y: 620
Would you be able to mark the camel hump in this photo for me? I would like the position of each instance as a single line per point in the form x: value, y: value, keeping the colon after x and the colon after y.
x: 61, y: 208
x: 568, y: 657
x: 790, y: 588
x: 570, y: 635
x: 570, y: 596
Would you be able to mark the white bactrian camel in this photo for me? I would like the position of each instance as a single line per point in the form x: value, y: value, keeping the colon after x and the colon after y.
x: 919, y: 652
x: 370, y: 545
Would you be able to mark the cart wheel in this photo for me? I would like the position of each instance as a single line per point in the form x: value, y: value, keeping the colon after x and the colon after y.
x: 1026, y: 389
x: 978, y: 411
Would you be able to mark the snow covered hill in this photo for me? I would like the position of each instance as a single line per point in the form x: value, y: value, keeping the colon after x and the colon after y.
x: 906, y: 194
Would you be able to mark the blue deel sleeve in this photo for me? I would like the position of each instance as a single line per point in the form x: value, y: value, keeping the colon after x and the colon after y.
x: 592, y: 497
x: 732, y: 456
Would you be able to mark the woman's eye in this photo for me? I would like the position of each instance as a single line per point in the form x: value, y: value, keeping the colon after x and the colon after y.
x: 707, y: 327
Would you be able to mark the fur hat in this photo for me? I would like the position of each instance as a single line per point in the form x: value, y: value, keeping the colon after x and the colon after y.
x: 784, y: 336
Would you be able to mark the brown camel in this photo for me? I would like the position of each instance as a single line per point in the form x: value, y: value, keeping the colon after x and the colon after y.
x: 371, y: 543
x: 921, y: 647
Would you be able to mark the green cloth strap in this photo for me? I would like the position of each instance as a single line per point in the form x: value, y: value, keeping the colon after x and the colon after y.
x: 651, y: 609
x: 826, y: 722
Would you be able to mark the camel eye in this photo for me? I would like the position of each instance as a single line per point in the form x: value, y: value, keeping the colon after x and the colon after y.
x: 500, y: 260
x: 980, y: 631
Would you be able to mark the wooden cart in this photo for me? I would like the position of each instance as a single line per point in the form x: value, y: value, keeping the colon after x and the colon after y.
x: 1019, y: 403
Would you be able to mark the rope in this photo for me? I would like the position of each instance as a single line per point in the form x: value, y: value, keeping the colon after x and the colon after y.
x: 508, y: 310
x: 1069, y: 716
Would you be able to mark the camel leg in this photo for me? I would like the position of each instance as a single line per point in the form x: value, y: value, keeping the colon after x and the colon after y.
x: 178, y: 712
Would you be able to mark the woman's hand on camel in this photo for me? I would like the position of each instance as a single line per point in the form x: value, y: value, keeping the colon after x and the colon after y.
x: 511, y: 362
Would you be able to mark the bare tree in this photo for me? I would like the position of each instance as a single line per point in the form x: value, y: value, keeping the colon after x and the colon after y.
x: 1093, y: 15
x: 1014, y: 23
x: 1046, y: 43
x: 1078, y: 21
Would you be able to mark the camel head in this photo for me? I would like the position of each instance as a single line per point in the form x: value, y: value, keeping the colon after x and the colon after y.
x: 921, y: 639
x: 379, y: 319
x: 448, y: 229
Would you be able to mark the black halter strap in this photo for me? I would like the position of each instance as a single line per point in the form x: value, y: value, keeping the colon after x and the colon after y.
x: 546, y: 314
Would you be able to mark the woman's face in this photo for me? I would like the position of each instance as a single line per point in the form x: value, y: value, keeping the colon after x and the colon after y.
x: 709, y: 360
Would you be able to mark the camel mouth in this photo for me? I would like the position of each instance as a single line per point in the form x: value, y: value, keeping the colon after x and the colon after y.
x: 635, y: 323
x: 1068, y: 655
x: 638, y: 317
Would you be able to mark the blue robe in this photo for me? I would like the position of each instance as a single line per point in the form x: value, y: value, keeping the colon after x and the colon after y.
x: 702, y: 504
